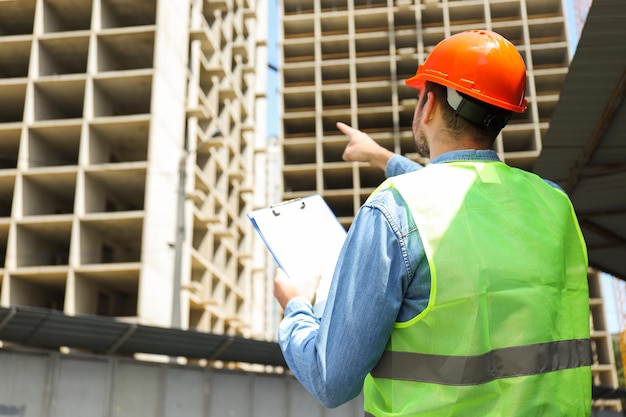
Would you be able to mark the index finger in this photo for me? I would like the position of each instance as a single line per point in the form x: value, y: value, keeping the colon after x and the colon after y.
x: 346, y: 129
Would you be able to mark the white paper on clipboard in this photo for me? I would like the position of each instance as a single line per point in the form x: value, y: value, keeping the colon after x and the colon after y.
x: 305, y: 237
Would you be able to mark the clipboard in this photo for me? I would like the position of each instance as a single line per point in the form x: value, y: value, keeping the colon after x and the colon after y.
x: 305, y: 237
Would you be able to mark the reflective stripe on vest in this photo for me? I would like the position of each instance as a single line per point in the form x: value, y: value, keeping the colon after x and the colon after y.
x: 498, y: 363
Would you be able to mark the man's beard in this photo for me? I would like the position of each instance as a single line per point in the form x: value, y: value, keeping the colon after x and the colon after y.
x: 421, y: 143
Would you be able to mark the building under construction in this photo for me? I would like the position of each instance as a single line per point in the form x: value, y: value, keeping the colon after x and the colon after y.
x: 128, y: 153
x: 134, y: 143
x: 347, y: 61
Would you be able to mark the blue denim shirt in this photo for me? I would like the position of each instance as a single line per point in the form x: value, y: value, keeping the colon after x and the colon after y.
x: 382, y: 276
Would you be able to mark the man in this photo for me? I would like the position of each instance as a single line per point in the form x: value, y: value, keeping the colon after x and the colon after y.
x: 461, y: 289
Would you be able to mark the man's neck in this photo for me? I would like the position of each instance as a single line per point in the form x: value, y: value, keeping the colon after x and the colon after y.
x: 444, y: 146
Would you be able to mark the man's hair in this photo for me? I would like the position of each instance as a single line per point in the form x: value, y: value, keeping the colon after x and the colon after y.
x: 457, y: 125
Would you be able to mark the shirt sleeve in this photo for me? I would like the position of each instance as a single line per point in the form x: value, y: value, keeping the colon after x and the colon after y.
x: 331, y: 357
x: 399, y: 164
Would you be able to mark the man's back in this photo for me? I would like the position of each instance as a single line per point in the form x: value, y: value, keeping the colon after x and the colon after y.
x: 509, y: 306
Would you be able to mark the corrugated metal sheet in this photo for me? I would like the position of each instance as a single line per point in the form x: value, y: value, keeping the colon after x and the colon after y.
x: 48, y: 328
x: 49, y: 384
x: 585, y: 148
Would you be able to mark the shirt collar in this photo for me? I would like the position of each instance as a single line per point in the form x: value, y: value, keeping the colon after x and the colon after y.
x: 467, y: 155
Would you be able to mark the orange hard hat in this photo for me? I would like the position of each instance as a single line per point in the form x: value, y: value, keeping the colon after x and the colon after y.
x: 479, y: 63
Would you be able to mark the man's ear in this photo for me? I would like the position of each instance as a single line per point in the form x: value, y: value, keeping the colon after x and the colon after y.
x: 429, y: 109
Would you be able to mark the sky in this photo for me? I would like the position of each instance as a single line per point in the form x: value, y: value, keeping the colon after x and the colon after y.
x: 273, y: 57
x: 610, y: 304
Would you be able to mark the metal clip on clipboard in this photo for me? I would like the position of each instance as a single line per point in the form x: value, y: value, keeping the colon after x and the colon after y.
x: 276, y: 206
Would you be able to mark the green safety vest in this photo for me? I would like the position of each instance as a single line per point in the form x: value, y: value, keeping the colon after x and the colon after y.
x: 506, y: 329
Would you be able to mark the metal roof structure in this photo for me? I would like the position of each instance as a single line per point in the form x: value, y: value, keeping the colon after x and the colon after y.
x: 48, y: 328
x: 584, y: 150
